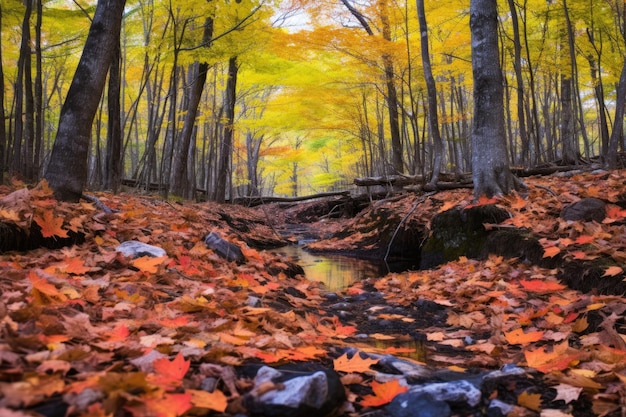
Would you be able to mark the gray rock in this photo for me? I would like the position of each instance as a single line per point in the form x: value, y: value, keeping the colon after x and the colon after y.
x: 498, y: 408
x: 300, y: 391
x: 417, y: 404
x: 223, y: 248
x: 136, y: 249
x: 587, y: 209
x: 458, y: 392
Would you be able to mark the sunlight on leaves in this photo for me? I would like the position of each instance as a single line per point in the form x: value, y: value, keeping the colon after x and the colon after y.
x: 354, y: 364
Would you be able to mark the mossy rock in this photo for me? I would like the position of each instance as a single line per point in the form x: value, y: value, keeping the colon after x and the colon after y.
x: 459, y: 232
x: 588, y: 277
x: 520, y: 244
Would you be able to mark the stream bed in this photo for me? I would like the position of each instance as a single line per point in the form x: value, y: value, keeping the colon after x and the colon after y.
x: 337, y: 271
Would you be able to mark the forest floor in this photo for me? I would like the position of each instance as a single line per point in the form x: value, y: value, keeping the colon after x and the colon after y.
x: 86, y: 331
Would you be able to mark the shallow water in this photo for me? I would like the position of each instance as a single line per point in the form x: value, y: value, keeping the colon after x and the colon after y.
x: 335, y: 271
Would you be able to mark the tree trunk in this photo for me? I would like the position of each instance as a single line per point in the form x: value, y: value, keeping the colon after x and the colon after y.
x: 433, y: 119
x: 617, y: 134
x: 490, y: 167
x: 113, y: 153
x: 67, y: 170
x: 179, y: 183
x: 3, y: 134
x: 223, y: 174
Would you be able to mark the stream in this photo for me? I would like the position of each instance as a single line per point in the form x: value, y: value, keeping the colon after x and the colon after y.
x: 336, y: 271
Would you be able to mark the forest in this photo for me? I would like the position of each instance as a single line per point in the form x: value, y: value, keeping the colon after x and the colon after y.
x: 221, y: 99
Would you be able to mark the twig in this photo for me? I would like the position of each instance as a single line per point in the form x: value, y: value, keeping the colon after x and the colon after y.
x: 99, y: 204
x: 393, y: 237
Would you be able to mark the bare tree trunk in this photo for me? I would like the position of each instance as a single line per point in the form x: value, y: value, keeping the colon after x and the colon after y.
x: 226, y: 150
x: 490, y: 166
x: 3, y: 133
x: 113, y: 153
x: 433, y: 119
x: 67, y: 170
x: 617, y: 135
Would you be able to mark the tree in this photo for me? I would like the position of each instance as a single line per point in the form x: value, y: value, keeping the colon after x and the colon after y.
x: 490, y: 166
x: 433, y: 120
x: 67, y: 169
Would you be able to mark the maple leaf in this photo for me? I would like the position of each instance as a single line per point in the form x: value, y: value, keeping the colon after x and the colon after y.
x: 383, y: 393
x: 531, y: 401
x: 41, y: 286
x: 170, y: 405
x: 149, y: 264
x: 171, y: 372
x: 551, y: 252
x: 215, y: 400
x: 354, y: 364
x: 518, y: 337
x: 567, y: 392
x: 612, y: 271
x: 50, y: 225
x: 540, y: 286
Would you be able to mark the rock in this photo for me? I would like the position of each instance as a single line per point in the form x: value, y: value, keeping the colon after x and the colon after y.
x: 224, y: 249
x: 459, y: 232
x: 136, y: 249
x: 498, y: 408
x: 587, y: 209
x: 417, y: 404
x: 298, y: 390
x: 459, y: 392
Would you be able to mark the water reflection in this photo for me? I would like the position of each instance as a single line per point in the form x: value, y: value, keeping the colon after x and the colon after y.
x: 335, y: 271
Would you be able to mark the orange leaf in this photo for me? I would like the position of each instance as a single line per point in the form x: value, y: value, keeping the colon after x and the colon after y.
x: 584, y: 239
x: 171, y: 372
x: 50, y: 225
x: 148, y: 264
x: 215, y: 400
x: 74, y: 266
x: 612, y: 271
x: 537, y: 285
x: 518, y: 337
x: 551, y: 252
x: 171, y: 405
x: 354, y: 364
x: 383, y: 393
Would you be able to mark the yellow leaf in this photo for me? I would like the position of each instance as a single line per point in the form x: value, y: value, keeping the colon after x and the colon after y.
x: 531, y: 401
x: 215, y: 400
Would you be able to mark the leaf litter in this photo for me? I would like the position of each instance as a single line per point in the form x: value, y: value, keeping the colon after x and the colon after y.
x: 93, y: 332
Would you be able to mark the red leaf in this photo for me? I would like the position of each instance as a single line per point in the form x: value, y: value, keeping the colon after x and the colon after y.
x: 171, y: 372
x: 537, y: 285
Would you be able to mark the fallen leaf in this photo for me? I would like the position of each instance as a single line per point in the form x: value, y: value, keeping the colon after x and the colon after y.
x: 171, y: 371
x: 612, y: 271
x: 531, y: 401
x: 518, y: 337
x: 50, y: 225
x: 215, y: 400
x: 384, y: 393
x: 541, y: 286
x: 567, y: 393
x: 354, y: 364
x: 551, y: 252
x: 149, y: 264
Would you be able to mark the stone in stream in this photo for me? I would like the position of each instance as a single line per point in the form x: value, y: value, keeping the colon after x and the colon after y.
x: 224, y: 248
x: 298, y: 390
x: 417, y: 404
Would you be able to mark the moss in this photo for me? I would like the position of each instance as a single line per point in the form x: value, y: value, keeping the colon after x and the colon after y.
x: 459, y: 232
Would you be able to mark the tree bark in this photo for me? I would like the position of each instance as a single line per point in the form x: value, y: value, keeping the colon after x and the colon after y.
x: 490, y: 166
x: 3, y: 134
x: 67, y: 170
x: 227, y: 140
x: 113, y: 153
x: 179, y: 183
x: 617, y: 135
x: 433, y: 119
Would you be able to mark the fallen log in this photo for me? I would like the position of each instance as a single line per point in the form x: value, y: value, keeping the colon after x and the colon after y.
x: 254, y: 201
